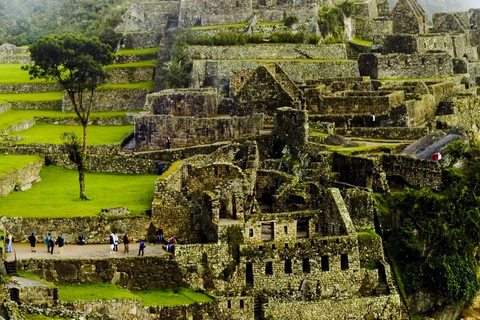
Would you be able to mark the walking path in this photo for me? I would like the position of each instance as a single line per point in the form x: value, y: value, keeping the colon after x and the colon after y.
x: 88, y: 251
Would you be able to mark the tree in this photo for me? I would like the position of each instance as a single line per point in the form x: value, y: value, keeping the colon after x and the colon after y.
x: 76, y: 63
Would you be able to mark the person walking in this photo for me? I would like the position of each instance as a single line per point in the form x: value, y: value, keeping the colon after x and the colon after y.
x: 47, y: 242
x: 168, y: 143
x: 115, y: 240
x: 60, y: 243
x: 112, y: 244
x: 373, y: 120
x: 160, y: 235
x: 51, y: 244
x: 9, y: 242
x: 126, y: 243
x: 33, y: 242
x: 141, y: 248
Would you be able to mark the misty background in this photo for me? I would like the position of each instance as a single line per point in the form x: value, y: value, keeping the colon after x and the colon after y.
x: 434, y: 6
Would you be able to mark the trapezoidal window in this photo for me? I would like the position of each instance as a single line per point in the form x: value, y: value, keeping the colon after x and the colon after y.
x: 288, y: 266
x: 269, y: 267
x: 302, y: 228
x: 344, y: 261
x: 325, y: 263
x: 267, y: 231
x: 306, y: 265
x: 249, y: 273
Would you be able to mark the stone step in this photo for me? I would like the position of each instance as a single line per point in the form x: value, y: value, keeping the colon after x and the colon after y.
x: 14, y: 295
x: 11, y: 267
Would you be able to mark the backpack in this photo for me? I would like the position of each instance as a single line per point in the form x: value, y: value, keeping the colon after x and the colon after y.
x: 143, y: 245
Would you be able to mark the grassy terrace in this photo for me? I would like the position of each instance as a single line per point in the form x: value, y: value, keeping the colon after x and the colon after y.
x: 284, y: 60
x: 236, y: 25
x: 137, y: 52
x: 146, y: 63
x: 104, y: 291
x: 349, y: 150
x: 362, y: 42
x: 32, y: 97
x: 51, y: 133
x: 12, y: 117
x: 12, y: 163
x: 137, y: 85
x: 11, y: 73
x: 56, y: 196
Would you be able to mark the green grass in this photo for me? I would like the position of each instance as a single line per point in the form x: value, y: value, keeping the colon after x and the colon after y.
x: 12, y: 117
x: 57, y: 195
x: 348, y: 151
x: 285, y: 60
x: 11, y: 163
x: 32, y: 276
x: 220, y: 26
x: 362, y: 42
x: 137, y: 52
x: 412, y: 79
x: 12, y: 73
x: 146, y: 63
x: 29, y: 316
x: 266, y: 23
x: 105, y: 291
x: 51, y: 133
x: 90, y: 292
x: 367, y: 234
x: 138, y: 85
x: 169, y: 297
x: 32, y: 97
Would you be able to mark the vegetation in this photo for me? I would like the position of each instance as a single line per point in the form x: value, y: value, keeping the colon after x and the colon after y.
x: 29, y: 316
x: 435, y: 246
x: 132, y: 86
x: 31, y: 97
x: 77, y: 64
x: 229, y: 38
x: 13, y: 74
x: 145, y: 63
x: 54, y: 196
x: 314, y: 39
x: 287, y: 37
x: 137, y: 52
x: 178, y: 69
x: 105, y: 291
x: 362, y: 42
x: 331, y: 19
x: 290, y: 21
x: 10, y: 163
x: 32, y: 276
x: 52, y: 133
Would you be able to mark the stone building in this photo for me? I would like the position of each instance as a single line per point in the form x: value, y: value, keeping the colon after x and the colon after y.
x: 409, y: 17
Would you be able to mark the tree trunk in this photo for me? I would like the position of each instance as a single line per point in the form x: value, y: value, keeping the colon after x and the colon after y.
x: 82, y: 166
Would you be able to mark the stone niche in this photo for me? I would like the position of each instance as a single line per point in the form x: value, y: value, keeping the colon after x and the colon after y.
x: 184, y: 102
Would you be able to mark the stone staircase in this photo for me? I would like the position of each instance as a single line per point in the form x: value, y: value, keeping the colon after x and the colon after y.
x: 382, y: 289
x: 14, y: 294
x: 11, y: 267
x: 257, y: 309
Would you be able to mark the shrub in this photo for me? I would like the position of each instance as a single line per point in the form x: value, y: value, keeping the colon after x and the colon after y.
x: 256, y: 38
x: 314, y: 39
x: 287, y: 37
x: 290, y: 21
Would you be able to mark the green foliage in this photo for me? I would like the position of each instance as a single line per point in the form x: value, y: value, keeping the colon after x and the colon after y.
x: 10, y: 163
x: 24, y: 22
x: 32, y: 276
x: 314, y: 39
x: 331, y: 19
x: 56, y: 196
x: 256, y: 38
x: 179, y: 68
x: 370, y: 266
x: 170, y: 297
x: 73, y: 144
x: 347, y: 7
x: 290, y: 21
x: 436, y: 243
x: 287, y: 37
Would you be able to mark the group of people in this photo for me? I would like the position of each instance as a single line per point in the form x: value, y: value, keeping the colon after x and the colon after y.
x: 114, y: 241
x: 49, y: 242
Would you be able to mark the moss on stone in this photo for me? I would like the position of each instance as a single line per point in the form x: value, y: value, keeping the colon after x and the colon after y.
x: 32, y: 276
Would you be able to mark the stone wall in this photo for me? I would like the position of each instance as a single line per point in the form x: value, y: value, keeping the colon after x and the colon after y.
x: 150, y: 130
x: 360, y: 171
x: 37, y: 105
x: 409, y: 17
x: 403, y: 66
x: 4, y: 107
x: 218, y: 72
x: 418, y: 173
x: 130, y: 74
x: 197, y: 12
x: 20, y: 177
x: 372, y: 29
x: 113, y: 100
x: 361, y: 206
x: 394, y: 133
x: 381, y: 307
x: 129, y: 119
x: 29, y: 87
x: 139, y: 40
x: 183, y: 102
x: 290, y: 129
x: 148, y: 16
x: 24, y: 125
x: 265, y: 51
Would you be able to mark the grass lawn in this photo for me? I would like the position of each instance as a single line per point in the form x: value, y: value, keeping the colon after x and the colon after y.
x: 29, y: 316
x: 105, y: 291
x: 362, y: 42
x: 12, y: 117
x: 137, y: 52
x: 57, y: 195
x: 12, y: 73
x: 137, y: 85
x: 32, y: 97
x: 12, y: 163
x: 348, y: 151
x: 51, y: 133
x: 145, y: 63
x: 32, y: 276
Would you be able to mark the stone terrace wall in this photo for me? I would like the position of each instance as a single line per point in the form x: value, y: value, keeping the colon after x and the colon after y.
x: 418, y: 173
x: 130, y: 74
x: 414, y: 66
x: 370, y: 29
x: 94, y: 229
x: 150, y: 130
x: 24, y: 125
x: 113, y: 100
x: 134, y: 273
x: 198, y: 12
x: 140, y: 40
x: 274, y: 51
x: 30, y: 88
x: 360, y: 103
x: 214, y: 72
x: 37, y: 105
x: 394, y: 133
x: 20, y: 176
x: 381, y: 307
x: 4, y: 107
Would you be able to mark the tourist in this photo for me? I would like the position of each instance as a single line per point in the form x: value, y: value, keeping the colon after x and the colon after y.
x: 373, y: 119
x: 159, y: 168
x: 9, y: 242
x: 51, y: 243
x: 126, y: 243
x: 116, y: 242
x: 60, y: 243
x: 160, y: 235
x: 171, y: 245
x: 32, y: 241
x: 81, y: 240
x: 168, y: 143
x: 141, y: 248
x: 112, y: 244
x: 47, y: 242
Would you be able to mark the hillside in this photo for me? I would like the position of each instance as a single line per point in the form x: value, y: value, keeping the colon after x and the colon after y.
x: 434, y: 6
